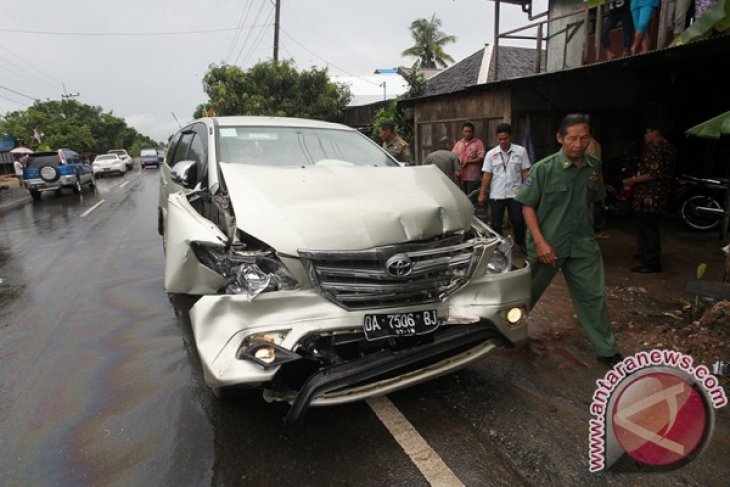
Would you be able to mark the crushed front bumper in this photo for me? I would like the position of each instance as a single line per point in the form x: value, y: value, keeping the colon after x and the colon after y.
x: 225, y: 326
x: 457, y: 346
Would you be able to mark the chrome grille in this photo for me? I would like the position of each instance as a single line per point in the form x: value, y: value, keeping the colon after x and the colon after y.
x: 360, y: 280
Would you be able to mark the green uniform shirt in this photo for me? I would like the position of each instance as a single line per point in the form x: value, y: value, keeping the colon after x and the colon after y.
x: 399, y: 149
x: 561, y: 194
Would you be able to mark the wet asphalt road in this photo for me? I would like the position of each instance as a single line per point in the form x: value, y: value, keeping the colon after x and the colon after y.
x: 99, y: 384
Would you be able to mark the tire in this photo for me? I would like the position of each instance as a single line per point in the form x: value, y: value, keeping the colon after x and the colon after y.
x: 35, y: 194
x: 698, y: 221
x: 76, y: 188
x: 49, y: 174
x: 92, y: 182
x: 160, y: 223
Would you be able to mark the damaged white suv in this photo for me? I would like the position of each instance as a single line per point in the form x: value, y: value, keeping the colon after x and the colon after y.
x: 326, y: 271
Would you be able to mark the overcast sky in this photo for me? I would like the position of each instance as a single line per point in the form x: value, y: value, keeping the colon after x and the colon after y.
x: 145, y: 78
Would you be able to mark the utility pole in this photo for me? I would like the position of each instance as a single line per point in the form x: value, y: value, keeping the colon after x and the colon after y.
x: 384, y: 95
x: 65, y: 96
x: 277, y: 10
x: 68, y: 95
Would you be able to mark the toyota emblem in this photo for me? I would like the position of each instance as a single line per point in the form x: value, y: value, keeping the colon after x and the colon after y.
x: 399, y: 265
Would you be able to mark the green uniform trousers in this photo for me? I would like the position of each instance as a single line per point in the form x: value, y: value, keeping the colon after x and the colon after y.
x: 585, y: 279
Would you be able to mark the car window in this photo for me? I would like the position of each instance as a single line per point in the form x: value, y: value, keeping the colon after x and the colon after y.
x: 42, y: 160
x: 196, y: 151
x: 173, y: 147
x: 292, y: 146
x: 181, y: 150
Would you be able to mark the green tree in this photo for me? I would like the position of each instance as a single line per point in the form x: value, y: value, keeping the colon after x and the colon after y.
x: 416, y: 82
x: 429, y: 43
x: 275, y: 89
x: 72, y: 125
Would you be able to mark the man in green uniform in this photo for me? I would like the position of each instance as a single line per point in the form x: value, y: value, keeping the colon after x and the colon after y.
x: 395, y: 146
x: 557, y: 199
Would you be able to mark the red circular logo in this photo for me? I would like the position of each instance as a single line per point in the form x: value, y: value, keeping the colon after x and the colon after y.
x: 659, y: 419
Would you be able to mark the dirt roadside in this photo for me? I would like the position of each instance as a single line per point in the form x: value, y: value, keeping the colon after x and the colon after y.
x: 647, y: 311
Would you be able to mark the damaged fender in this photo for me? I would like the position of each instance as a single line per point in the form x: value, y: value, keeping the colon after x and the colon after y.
x: 184, y: 274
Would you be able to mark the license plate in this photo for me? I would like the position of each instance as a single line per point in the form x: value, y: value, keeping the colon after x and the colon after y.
x: 400, y: 324
x: 106, y: 169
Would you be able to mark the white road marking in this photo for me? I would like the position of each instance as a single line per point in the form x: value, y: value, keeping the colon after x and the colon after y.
x: 123, y: 184
x: 91, y: 209
x: 430, y: 464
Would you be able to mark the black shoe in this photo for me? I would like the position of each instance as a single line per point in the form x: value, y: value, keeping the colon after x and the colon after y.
x: 646, y: 269
x: 612, y: 360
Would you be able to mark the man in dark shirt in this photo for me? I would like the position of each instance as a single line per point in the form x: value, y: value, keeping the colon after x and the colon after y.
x: 446, y: 160
x: 651, y: 192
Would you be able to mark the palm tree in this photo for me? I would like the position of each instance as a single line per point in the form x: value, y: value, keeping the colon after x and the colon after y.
x: 430, y: 42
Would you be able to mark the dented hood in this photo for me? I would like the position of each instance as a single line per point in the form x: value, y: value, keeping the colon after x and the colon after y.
x: 344, y: 208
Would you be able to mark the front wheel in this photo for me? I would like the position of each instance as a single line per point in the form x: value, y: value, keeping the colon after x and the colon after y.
x: 693, y: 217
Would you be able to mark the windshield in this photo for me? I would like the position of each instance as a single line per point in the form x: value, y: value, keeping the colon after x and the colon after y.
x: 294, y: 146
x: 148, y: 152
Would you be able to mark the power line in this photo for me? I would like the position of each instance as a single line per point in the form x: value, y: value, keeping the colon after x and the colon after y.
x: 244, y: 15
x: 14, y: 101
x: 14, y: 69
x: 54, y: 80
x: 126, y: 34
x: 326, y: 61
x: 248, y: 34
x: 17, y: 92
x: 261, y: 34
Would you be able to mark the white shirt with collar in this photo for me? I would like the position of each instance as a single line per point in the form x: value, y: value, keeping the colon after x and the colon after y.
x: 506, y: 169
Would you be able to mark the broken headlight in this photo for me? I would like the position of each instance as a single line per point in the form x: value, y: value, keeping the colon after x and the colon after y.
x: 249, y: 273
x: 501, y: 260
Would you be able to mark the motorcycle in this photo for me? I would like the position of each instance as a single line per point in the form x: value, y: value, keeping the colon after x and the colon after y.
x: 699, y: 201
x: 618, y: 197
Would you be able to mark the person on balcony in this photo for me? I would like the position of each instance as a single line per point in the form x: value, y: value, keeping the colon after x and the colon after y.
x: 618, y: 13
x: 642, y: 12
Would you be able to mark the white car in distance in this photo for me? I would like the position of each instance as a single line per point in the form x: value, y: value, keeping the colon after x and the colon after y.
x: 124, y: 156
x: 108, y: 164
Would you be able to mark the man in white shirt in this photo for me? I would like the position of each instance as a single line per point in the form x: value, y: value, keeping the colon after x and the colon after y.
x: 18, y: 165
x: 505, y: 167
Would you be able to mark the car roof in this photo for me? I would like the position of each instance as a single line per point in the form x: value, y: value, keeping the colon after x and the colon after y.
x: 256, y: 121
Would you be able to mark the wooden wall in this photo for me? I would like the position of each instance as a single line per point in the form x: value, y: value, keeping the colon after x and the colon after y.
x: 446, y: 115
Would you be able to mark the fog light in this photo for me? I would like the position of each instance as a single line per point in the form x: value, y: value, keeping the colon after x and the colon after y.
x: 265, y: 354
x: 514, y: 315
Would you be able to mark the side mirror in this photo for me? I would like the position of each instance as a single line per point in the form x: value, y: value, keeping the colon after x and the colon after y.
x: 185, y: 173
